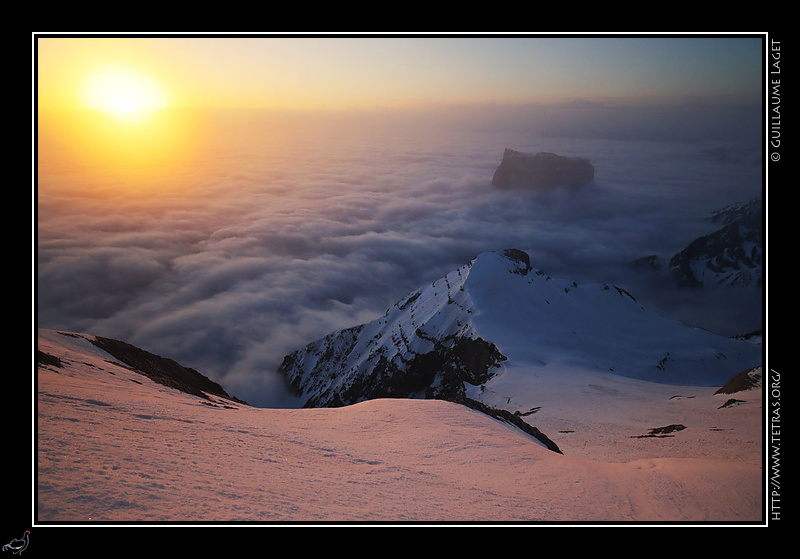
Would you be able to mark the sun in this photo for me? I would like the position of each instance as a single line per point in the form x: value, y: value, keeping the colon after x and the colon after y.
x: 118, y: 124
x: 122, y: 92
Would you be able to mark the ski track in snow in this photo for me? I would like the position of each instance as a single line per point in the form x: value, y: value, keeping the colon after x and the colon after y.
x: 114, y: 446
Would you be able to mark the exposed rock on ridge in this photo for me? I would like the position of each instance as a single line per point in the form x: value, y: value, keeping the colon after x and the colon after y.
x: 744, y: 380
x: 161, y: 369
x: 508, y: 417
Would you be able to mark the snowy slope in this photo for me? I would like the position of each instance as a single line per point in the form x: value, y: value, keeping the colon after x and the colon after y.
x: 497, y: 329
x: 113, y: 445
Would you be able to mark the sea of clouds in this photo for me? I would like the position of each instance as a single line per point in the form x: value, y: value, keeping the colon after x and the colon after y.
x: 286, y: 227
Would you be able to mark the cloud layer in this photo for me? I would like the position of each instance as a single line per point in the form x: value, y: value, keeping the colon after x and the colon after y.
x: 284, y: 230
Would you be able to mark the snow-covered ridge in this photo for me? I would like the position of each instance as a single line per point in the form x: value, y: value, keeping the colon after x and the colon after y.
x: 496, y: 319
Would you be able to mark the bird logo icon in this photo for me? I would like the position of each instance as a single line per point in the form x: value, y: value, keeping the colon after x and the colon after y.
x: 18, y: 545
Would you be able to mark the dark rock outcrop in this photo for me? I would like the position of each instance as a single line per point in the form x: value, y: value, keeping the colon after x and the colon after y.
x: 519, y: 256
x: 543, y: 170
x: 43, y: 358
x: 439, y: 374
x: 508, y: 417
x: 730, y: 403
x: 162, y: 370
x: 661, y: 432
x: 744, y: 380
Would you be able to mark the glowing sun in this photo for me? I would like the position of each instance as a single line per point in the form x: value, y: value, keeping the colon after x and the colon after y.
x: 123, y: 92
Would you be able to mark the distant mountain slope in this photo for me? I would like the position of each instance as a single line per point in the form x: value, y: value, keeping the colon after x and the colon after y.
x: 731, y: 256
x: 498, y: 317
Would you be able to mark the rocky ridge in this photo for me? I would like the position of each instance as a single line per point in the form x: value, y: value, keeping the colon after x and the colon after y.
x: 731, y: 256
x: 452, y: 338
x: 424, y: 346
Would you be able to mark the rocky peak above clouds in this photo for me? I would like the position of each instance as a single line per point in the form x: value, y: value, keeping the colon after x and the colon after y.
x: 542, y: 170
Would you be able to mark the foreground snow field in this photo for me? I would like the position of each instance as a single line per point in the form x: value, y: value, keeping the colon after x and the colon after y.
x: 114, y: 446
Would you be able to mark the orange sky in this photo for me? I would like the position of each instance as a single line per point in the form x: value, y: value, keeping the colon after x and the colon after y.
x: 369, y: 72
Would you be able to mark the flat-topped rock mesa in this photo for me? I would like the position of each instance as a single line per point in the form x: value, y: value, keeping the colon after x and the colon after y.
x: 543, y: 170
